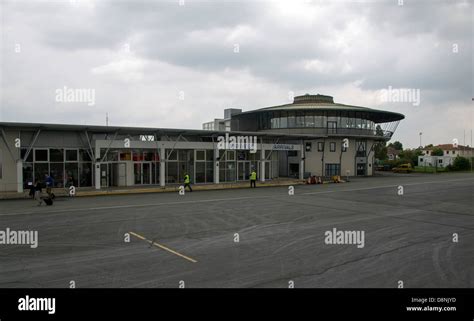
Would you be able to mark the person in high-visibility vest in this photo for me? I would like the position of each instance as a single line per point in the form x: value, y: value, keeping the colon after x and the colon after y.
x: 187, y: 182
x: 253, y: 179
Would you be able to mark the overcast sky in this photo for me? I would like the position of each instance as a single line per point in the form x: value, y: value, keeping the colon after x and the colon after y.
x: 142, y: 57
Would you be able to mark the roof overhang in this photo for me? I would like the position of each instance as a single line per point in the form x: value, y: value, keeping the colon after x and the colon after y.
x: 147, y: 130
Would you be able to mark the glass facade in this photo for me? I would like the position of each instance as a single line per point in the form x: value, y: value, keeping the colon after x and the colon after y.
x: 74, y: 167
x: 179, y: 163
x: 67, y: 167
x: 204, y: 166
x: 336, y: 122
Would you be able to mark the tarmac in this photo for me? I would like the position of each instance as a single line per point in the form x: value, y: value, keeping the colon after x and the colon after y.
x: 418, y: 232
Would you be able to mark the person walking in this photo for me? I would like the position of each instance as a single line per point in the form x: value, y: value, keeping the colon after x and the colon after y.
x: 187, y: 182
x: 253, y: 179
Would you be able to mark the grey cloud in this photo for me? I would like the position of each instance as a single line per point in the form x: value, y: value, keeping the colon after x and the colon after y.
x: 366, y: 45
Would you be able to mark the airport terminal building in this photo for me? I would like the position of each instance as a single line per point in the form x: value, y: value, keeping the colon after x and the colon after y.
x: 311, y: 136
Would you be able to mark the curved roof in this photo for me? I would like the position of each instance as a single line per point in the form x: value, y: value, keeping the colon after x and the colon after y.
x: 325, y: 103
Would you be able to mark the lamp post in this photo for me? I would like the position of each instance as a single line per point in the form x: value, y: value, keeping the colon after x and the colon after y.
x: 420, y: 139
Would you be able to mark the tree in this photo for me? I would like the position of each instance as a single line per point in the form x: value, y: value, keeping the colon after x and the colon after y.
x: 410, y: 156
x: 397, y: 145
x: 437, y: 152
x: 461, y: 164
x: 380, y: 151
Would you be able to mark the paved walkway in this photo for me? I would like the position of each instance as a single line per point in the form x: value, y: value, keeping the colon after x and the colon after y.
x: 90, y: 191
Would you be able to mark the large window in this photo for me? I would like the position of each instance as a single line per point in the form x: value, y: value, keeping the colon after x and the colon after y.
x: 172, y: 175
x: 204, y: 166
x: 275, y: 123
x: 300, y: 120
x: 56, y: 155
x: 319, y: 121
x: 71, y: 174
x: 56, y: 170
x: 40, y: 170
x: 85, y: 174
x: 291, y: 120
x: 200, y: 172
x: 227, y: 166
x: 309, y: 121
x: 332, y: 127
x: 41, y: 155
x: 67, y: 167
x: 71, y: 155
x: 180, y: 162
x: 333, y: 169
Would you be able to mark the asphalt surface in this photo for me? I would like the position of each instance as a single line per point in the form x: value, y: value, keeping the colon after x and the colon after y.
x: 408, y: 237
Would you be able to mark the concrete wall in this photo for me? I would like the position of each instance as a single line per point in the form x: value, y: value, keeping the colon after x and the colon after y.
x: 315, y: 161
x: 8, y: 181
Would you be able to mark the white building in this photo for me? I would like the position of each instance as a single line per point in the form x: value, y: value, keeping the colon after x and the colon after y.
x: 220, y: 124
x: 450, y: 152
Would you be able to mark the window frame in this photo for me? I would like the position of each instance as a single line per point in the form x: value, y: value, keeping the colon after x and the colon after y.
x: 321, y: 149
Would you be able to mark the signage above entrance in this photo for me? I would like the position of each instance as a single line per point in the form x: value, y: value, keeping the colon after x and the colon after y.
x: 283, y: 147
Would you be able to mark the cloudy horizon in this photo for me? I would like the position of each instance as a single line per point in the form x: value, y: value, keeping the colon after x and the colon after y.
x: 177, y: 64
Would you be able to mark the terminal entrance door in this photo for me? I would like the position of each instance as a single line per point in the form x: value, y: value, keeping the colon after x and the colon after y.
x: 361, y: 170
x: 143, y: 173
x: 243, y: 170
x: 113, y: 174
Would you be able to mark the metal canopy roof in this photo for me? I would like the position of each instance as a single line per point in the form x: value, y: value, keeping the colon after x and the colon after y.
x: 376, y: 115
x: 146, y: 130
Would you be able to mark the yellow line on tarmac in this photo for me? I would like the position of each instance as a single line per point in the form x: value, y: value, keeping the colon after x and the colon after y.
x: 163, y: 247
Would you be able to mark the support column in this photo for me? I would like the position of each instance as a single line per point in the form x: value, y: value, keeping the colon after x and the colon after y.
x: 216, y: 165
x: 303, y: 152
x: 262, y: 164
x: 162, y: 165
x: 97, y: 175
x: 19, y: 176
